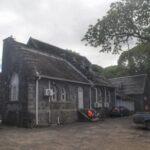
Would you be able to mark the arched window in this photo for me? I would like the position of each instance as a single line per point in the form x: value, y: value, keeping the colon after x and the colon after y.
x: 54, y: 96
x: 100, y: 96
x: 63, y: 94
x: 14, y: 87
x: 108, y: 97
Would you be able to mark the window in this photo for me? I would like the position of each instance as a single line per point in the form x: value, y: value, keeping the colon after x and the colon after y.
x: 96, y: 95
x: 14, y: 87
x: 106, y: 99
x: 54, y: 96
x: 109, y: 96
x: 63, y: 94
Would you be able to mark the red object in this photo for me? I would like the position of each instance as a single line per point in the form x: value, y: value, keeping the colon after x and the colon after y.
x: 90, y: 114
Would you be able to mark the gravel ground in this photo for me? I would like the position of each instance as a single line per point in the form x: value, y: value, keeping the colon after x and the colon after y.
x: 112, y: 134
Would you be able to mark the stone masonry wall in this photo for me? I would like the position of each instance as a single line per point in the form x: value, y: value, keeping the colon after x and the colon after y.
x: 50, y: 112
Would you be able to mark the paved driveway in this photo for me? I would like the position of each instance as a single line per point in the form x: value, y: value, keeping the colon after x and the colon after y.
x: 112, y: 134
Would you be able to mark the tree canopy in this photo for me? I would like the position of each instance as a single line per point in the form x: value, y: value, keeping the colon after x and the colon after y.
x: 111, y: 72
x: 136, y: 60
x: 132, y: 62
x: 126, y: 20
x: 97, y: 69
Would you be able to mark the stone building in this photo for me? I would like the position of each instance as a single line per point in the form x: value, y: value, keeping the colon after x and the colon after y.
x: 133, y: 92
x: 45, y: 84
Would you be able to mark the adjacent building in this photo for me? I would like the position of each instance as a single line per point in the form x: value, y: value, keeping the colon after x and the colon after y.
x: 133, y: 92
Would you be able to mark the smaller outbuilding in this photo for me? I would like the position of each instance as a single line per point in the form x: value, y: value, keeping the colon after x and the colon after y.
x: 0, y: 94
x: 133, y: 92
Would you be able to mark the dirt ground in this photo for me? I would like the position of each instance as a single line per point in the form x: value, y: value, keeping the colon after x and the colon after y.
x: 112, y: 134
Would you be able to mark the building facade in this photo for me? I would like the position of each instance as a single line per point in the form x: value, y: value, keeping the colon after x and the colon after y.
x: 47, y: 85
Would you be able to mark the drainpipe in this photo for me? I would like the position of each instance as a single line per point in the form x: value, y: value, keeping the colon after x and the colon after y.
x: 37, y: 101
x: 49, y: 110
x: 96, y: 94
x: 105, y: 103
x: 90, y: 99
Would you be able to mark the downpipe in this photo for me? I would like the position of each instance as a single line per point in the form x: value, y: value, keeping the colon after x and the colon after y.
x: 37, y: 102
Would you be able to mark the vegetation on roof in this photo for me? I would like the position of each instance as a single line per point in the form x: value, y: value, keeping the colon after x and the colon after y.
x: 80, y: 62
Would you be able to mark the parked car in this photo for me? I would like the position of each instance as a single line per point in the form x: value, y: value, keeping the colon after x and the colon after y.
x: 119, y: 111
x: 142, y: 118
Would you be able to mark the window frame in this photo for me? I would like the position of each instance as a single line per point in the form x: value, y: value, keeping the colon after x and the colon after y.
x: 63, y: 95
x: 14, y: 88
x: 100, y: 98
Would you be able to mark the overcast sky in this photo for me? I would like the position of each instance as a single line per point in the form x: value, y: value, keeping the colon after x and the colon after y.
x: 59, y: 22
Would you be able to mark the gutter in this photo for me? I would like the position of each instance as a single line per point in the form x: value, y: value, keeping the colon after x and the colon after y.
x: 49, y: 100
x: 62, y: 79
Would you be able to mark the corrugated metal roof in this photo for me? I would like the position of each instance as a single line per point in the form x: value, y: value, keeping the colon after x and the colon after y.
x: 130, y: 84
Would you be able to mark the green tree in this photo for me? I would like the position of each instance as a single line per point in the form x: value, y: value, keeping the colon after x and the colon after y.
x: 136, y: 60
x: 126, y: 20
x: 97, y: 69
x: 114, y: 71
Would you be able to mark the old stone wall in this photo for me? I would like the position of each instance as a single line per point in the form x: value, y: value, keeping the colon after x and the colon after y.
x: 63, y: 111
x: 55, y: 111
x: 12, y: 63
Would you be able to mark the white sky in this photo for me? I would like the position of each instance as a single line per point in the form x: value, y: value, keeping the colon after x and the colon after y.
x: 59, y: 22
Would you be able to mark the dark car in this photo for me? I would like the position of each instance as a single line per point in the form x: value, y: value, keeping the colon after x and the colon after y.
x: 0, y: 119
x: 142, y: 118
x: 119, y: 111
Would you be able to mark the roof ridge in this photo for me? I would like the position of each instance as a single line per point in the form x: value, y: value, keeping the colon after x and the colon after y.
x: 33, y: 39
x: 62, y: 49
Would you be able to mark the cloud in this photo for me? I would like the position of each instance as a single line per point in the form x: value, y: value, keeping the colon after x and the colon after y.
x: 58, y: 22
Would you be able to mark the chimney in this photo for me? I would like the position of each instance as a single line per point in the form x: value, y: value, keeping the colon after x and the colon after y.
x: 9, y: 39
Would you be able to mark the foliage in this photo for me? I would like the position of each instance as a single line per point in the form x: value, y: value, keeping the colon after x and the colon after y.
x: 97, y: 69
x: 136, y: 60
x: 114, y: 71
x: 125, y: 21
x: 131, y: 62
